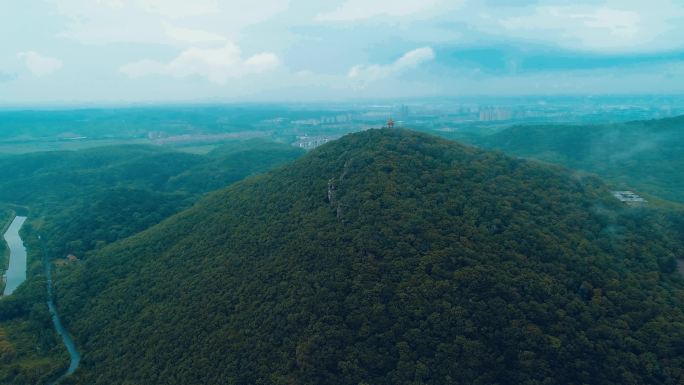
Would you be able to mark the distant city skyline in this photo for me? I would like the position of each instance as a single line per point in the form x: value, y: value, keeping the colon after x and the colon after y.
x: 175, y: 51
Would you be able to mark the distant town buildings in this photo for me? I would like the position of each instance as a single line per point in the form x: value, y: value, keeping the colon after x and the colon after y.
x: 495, y: 113
x: 403, y: 113
x: 629, y: 197
x: 310, y: 142
x: 154, y: 135
x: 332, y: 119
x: 70, y: 259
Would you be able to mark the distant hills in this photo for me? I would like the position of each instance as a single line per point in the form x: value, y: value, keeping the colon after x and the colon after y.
x: 389, y: 257
x: 644, y: 155
x: 98, y: 195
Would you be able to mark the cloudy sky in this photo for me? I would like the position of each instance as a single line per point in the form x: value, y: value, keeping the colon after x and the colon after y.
x: 111, y: 51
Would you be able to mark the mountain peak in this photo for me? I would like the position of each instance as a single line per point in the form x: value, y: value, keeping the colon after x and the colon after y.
x: 387, y: 256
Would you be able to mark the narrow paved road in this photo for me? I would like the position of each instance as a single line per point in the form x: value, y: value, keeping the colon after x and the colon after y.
x: 66, y: 338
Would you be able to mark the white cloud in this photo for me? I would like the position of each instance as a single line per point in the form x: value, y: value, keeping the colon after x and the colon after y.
x: 409, y: 60
x: 168, y: 8
x: 192, y: 36
x: 218, y: 65
x: 179, y: 8
x: 38, y: 64
x: 591, y: 27
x: 606, y: 27
x: 156, y: 21
x: 353, y: 10
x: 114, y: 4
x: 616, y: 22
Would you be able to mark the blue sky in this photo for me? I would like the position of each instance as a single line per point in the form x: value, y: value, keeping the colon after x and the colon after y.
x: 111, y: 51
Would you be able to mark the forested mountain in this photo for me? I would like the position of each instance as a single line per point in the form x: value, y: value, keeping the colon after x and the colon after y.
x: 645, y: 155
x: 387, y: 257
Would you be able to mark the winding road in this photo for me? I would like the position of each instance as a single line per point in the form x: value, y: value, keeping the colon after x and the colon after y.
x: 66, y: 338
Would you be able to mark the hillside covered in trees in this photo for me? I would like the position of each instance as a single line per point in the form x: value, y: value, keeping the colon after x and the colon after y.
x: 387, y: 257
x: 644, y: 155
x: 80, y: 201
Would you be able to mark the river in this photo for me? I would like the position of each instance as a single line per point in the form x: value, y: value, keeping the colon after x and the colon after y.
x: 16, y: 273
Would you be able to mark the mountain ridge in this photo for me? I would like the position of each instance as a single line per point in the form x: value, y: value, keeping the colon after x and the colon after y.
x: 643, y: 155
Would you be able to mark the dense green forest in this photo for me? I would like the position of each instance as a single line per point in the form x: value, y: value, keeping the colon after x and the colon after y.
x: 95, y: 196
x: 79, y: 201
x: 388, y: 257
x: 30, y: 350
x: 643, y: 155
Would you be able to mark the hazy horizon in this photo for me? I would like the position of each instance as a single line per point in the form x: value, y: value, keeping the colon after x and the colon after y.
x: 280, y: 51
